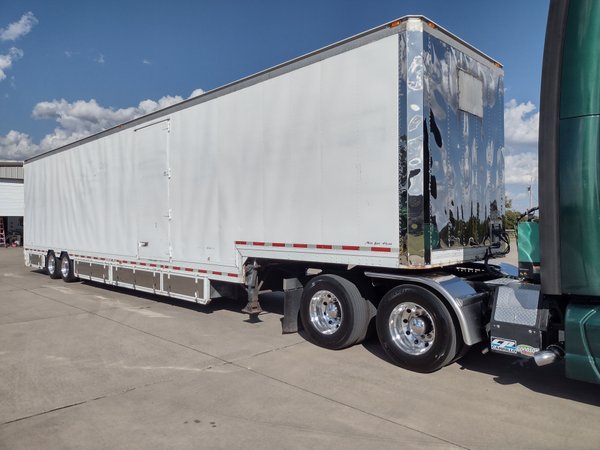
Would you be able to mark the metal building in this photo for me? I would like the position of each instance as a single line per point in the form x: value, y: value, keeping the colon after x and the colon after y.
x: 11, y: 201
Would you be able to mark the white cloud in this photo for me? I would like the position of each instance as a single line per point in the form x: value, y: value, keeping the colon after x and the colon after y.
x: 16, y: 145
x: 146, y: 61
x: 521, y: 168
x: 196, y: 93
x: 520, y: 123
x: 100, y: 59
x: 6, y: 61
x: 518, y: 196
x: 18, y: 29
x: 76, y: 120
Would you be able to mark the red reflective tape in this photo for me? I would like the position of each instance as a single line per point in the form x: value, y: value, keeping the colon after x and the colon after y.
x: 217, y: 273
x: 132, y: 263
x: 142, y: 264
x: 240, y: 242
x: 176, y: 268
x: 187, y: 269
x: 232, y: 275
x: 324, y: 246
x: 202, y: 271
x: 300, y: 245
x: 258, y: 243
x: 350, y: 247
x: 381, y: 249
x: 278, y: 244
x: 152, y: 265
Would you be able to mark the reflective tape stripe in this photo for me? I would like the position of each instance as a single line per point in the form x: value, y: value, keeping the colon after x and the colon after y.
x: 297, y: 245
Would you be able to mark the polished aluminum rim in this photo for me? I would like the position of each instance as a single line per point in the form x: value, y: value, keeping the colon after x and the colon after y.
x: 51, y: 264
x: 65, y: 267
x: 411, y: 328
x: 325, y: 312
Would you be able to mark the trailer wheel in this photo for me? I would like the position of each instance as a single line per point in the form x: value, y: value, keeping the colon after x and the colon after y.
x: 66, y: 269
x: 415, y: 329
x: 333, y: 312
x: 52, y: 266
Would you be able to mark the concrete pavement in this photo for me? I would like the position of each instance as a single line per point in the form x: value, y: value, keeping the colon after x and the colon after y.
x: 83, y: 366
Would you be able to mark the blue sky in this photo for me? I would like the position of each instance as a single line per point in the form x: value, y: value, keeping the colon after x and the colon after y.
x: 71, y: 68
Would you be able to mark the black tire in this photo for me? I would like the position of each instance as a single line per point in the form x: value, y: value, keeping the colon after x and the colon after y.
x: 349, y: 309
x: 68, y: 276
x: 52, y: 265
x: 406, y: 308
x: 462, y: 351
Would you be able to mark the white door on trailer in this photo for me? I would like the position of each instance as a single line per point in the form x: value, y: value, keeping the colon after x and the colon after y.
x: 151, y: 145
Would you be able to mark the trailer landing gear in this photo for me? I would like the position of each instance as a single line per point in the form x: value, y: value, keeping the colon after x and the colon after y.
x: 252, y: 308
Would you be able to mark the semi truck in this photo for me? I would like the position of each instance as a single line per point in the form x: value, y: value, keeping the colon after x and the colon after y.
x: 365, y: 180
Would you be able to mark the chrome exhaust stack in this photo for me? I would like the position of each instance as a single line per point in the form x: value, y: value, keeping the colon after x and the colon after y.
x: 549, y: 356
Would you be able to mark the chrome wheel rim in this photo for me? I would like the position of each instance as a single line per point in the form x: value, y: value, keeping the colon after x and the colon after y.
x: 51, y: 264
x: 325, y: 312
x: 65, y: 267
x: 411, y: 328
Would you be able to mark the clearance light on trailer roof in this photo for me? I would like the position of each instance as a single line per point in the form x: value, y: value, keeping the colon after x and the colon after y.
x: 431, y: 25
x: 395, y: 23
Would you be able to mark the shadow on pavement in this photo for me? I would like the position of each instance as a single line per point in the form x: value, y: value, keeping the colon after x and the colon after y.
x: 271, y: 302
x: 506, y: 370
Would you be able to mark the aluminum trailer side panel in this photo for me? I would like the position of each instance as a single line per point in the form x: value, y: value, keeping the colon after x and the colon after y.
x: 84, y: 199
x: 309, y: 157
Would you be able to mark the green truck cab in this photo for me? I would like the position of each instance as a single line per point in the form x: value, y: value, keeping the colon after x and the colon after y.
x: 569, y: 167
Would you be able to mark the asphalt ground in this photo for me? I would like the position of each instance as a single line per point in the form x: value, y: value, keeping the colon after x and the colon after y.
x: 85, y: 366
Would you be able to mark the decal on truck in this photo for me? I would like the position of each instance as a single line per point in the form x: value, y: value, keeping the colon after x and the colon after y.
x: 526, y: 350
x: 504, y: 345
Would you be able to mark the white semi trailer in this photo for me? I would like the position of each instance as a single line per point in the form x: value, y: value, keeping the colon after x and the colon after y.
x: 363, y: 179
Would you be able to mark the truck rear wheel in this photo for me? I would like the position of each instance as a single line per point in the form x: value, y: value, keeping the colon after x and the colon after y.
x: 52, y: 266
x: 416, y: 329
x: 333, y: 312
x: 66, y: 269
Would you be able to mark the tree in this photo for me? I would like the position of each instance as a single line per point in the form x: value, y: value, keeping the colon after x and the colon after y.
x: 510, y: 215
x: 510, y: 219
